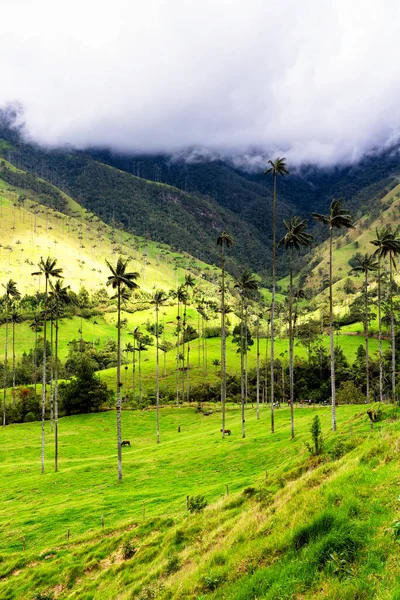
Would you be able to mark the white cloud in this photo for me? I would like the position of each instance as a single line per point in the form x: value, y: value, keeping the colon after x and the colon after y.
x: 317, y: 80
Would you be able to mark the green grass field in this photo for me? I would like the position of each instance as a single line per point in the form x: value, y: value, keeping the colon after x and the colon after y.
x: 276, y: 541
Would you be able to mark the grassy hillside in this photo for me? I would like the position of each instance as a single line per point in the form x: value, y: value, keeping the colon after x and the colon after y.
x: 288, y: 525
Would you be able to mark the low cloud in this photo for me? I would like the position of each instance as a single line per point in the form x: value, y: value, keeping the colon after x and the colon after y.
x: 315, y: 81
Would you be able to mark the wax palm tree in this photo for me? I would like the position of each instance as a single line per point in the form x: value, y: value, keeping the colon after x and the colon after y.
x: 225, y: 241
x: 122, y: 281
x: 130, y: 349
x: 49, y: 269
x: 338, y: 218
x: 365, y: 264
x: 181, y: 297
x: 296, y: 237
x: 277, y: 168
x: 16, y: 317
x: 159, y: 298
x: 388, y: 245
x: 246, y: 284
x: 137, y: 337
x: 58, y: 298
x: 11, y: 295
x: 189, y: 282
x: 35, y: 326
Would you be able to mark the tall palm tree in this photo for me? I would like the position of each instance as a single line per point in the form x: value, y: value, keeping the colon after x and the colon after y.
x: 296, y: 237
x: 122, y: 281
x: 277, y: 168
x: 159, y: 298
x: 130, y: 349
x: 11, y: 294
x: 137, y: 337
x: 190, y: 282
x: 181, y: 296
x: 16, y: 317
x: 48, y: 269
x: 35, y: 326
x: 246, y: 284
x: 366, y: 264
x: 388, y: 245
x: 225, y: 241
x: 58, y: 298
x: 338, y: 218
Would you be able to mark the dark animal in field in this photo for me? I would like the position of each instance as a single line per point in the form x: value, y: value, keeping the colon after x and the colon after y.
x: 227, y: 431
x: 125, y: 443
x: 179, y: 429
x: 373, y: 416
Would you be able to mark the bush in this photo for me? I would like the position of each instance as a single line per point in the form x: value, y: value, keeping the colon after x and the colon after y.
x: 179, y: 536
x: 128, y: 549
x: 173, y: 564
x: 196, y: 504
x: 348, y: 392
x: 44, y: 596
x: 29, y: 417
x: 317, y: 439
x: 212, y: 582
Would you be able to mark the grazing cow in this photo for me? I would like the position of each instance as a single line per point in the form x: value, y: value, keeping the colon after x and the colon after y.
x: 125, y: 443
x: 227, y: 431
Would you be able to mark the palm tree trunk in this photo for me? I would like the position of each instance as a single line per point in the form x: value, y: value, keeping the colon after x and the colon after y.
x: 258, y: 373
x: 44, y: 370
x: 35, y: 361
x: 13, y: 363
x: 140, y: 375
x: 157, y: 384
x: 51, y: 374
x: 56, y: 399
x: 380, y: 333
x: 134, y: 368
x: 119, y: 432
x: 223, y: 342
x: 242, y: 371
x: 177, y: 357
x: 188, y: 371
x: 291, y: 378
x: 273, y: 309
x: 5, y: 373
x: 266, y: 366
x: 392, y: 333
x: 366, y: 335
x: 333, y: 391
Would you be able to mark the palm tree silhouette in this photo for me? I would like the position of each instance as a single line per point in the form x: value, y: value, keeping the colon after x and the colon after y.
x: 122, y: 281
x: 58, y: 298
x: 223, y: 240
x: 16, y: 317
x: 365, y: 264
x: 338, y: 218
x: 159, y: 298
x: 296, y: 237
x: 388, y: 245
x: 48, y: 269
x: 35, y: 326
x: 11, y: 295
x: 278, y: 167
x: 245, y: 284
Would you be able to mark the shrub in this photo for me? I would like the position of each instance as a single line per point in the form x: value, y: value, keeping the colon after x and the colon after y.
x: 196, y: 504
x: 212, y: 582
x: 339, y: 449
x: 29, y: 417
x: 44, y: 596
x: 173, y: 564
x: 179, y: 536
x: 128, y: 549
x: 317, y: 438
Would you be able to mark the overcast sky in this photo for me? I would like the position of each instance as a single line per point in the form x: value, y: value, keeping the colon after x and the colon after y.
x: 317, y: 80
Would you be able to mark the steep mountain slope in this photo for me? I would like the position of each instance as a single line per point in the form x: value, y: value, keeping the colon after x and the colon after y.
x: 31, y: 227
x: 280, y: 523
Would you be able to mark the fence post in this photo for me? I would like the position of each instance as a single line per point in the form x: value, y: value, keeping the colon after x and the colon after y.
x: 227, y: 490
x: 68, y: 534
x: 187, y: 502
